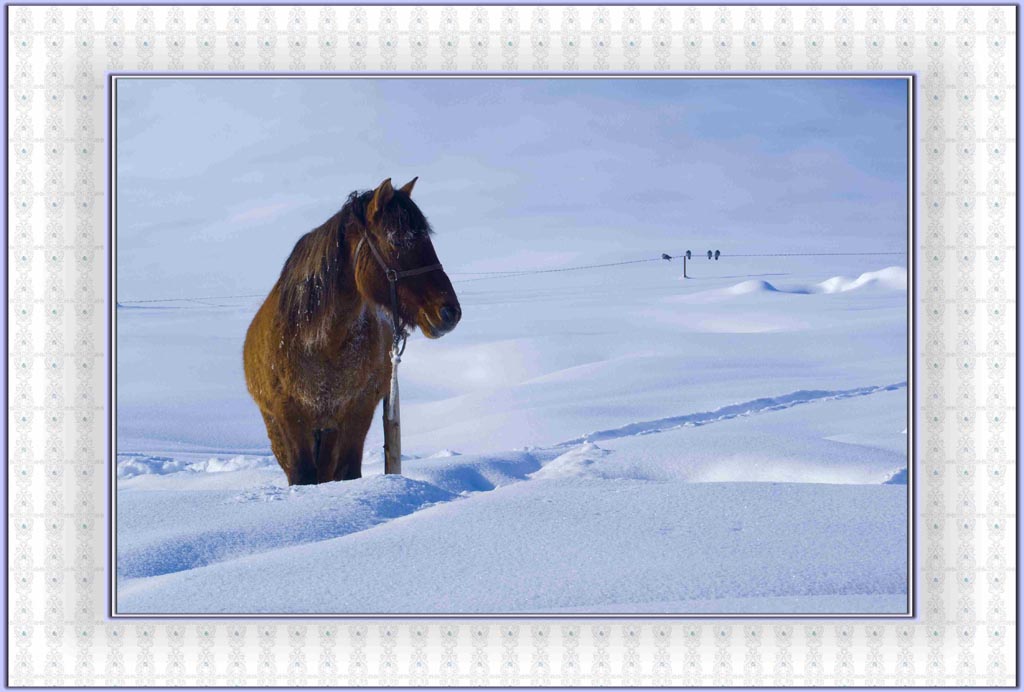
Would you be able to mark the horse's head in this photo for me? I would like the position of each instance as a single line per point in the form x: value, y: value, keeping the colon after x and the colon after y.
x: 398, y: 237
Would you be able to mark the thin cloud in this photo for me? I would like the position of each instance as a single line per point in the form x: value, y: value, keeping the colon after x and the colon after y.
x: 261, y: 213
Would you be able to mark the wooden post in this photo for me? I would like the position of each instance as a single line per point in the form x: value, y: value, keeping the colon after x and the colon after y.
x: 392, y: 439
x: 684, y: 268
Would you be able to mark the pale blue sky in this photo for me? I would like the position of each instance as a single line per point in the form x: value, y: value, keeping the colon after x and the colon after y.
x: 217, y: 178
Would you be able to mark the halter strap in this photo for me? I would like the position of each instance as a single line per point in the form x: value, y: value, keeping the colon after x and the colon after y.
x: 393, y: 275
x: 389, y: 272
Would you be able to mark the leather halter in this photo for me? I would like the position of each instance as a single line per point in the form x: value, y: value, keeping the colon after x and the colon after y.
x: 393, y: 275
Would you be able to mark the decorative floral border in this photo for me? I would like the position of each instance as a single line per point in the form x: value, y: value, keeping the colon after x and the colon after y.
x: 965, y: 60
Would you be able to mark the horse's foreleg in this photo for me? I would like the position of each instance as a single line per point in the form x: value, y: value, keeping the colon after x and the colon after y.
x: 299, y: 441
x: 317, y: 434
x: 350, y: 463
x: 305, y: 465
x: 348, y: 448
x: 346, y: 458
x: 326, y: 457
x: 278, y: 444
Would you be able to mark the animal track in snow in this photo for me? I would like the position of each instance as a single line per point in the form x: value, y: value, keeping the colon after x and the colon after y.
x: 746, y: 408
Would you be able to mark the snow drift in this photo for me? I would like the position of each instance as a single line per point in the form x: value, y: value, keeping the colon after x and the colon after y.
x: 586, y: 443
x: 890, y: 278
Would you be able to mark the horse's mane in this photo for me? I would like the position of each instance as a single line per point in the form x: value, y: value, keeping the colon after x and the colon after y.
x: 313, y: 275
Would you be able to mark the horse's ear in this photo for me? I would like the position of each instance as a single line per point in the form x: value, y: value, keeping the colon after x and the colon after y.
x: 381, y: 196
x: 407, y: 188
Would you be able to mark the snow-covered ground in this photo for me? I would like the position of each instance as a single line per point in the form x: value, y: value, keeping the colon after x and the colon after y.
x: 607, y: 441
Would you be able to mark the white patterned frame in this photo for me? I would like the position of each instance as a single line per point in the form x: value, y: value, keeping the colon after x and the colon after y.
x: 964, y: 56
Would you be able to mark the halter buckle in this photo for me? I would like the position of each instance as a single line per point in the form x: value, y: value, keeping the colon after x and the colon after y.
x: 398, y: 344
x: 391, y: 274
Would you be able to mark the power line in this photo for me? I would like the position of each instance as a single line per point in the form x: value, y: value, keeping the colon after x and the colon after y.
x: 484, y: 276
x: 814, y: 254
x: 481, y: 276
x: 560, y: 269
x: 525, y: 272
x: 190, y: 300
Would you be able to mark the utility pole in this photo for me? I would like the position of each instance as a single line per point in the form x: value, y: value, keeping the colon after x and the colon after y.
x: 712, y: 254
x: 392, y: 437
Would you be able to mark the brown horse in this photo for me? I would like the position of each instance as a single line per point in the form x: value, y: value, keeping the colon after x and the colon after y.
x: 316, y: 355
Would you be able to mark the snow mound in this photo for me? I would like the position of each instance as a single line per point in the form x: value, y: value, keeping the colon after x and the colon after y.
x: 890, y: 278
x: 650, y: 543
x: 463, y: 475
x: 133, y: 465
x: 129, y: 466
x: 752, y: 286
x: 584, y: 460
x: 236, y: 463
x: 591, y: 463
x: 213, y: 526
x: 898, y: 478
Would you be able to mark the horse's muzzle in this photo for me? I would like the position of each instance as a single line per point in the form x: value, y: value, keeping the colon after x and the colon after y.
x: 447, y: 317
x: 450, y: 316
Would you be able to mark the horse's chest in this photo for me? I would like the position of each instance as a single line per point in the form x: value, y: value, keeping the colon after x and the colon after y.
x: 329, y: 381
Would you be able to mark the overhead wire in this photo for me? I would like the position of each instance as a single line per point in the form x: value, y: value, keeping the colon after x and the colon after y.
x: 488, y: 275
